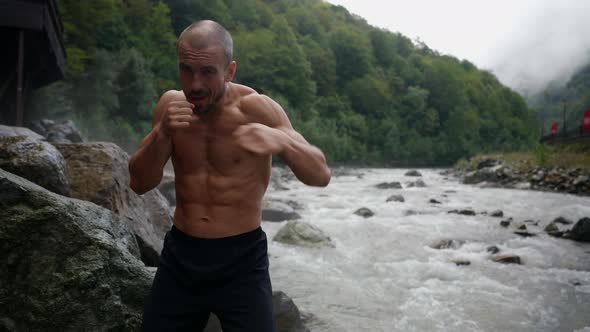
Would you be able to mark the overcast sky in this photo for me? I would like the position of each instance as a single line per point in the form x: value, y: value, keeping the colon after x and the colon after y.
x: 526, y: 43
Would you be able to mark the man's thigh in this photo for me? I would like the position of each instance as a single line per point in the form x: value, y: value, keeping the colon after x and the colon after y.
x: 172, y: 307
x: 246, y: 304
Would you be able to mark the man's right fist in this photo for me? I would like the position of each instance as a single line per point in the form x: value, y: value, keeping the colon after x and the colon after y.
x: 177, y: 115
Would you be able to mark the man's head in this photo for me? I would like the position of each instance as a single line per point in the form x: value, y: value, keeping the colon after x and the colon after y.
x: 205, y: 64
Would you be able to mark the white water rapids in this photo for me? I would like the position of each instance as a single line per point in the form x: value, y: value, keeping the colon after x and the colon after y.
x: 382, y: 275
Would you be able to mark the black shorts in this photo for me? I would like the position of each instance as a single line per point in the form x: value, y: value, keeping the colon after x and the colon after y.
x: 226, y: 276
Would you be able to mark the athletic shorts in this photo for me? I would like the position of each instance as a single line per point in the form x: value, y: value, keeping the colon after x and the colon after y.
x: 225, y: 276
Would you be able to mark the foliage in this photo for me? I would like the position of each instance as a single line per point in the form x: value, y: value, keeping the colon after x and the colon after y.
x: 362, y: 94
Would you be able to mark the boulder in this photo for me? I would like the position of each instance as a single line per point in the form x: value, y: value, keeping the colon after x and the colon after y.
x: 58, y: 132
x: 581, y: 230
x: 286, y: 313
x: 286, y: 316
x: 98, y: 172
x: 389, y: 185
x: 27, y: 154
x: 277, y: 210
x: 302, y: 234
x: 395, y: 198
x: 413, y: 172
x: 167, y: 187
x: 67, y: 265
x: 364, y: 212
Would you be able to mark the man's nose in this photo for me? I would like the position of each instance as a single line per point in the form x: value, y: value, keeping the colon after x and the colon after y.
x: 197, y: 82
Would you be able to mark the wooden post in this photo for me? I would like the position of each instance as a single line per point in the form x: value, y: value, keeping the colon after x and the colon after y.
x: 19, y: 81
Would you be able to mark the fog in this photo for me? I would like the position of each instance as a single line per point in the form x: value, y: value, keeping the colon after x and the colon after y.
x: 526, y: 43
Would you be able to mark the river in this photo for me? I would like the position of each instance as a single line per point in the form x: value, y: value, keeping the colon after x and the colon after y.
x: 382, y: 274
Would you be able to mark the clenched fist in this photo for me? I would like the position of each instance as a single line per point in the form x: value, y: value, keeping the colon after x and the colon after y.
x: 260, y: 139
x: 177, y: 115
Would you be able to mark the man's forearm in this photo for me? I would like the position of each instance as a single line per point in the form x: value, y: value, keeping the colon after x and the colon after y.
x: 147, y: 164
x: 306, y: 161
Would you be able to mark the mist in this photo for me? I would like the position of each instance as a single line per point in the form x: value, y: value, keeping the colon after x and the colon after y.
x: 528, y: 44
x: 546, y: 47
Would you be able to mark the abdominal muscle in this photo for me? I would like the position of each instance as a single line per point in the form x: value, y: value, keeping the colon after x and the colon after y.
x: 215, y: 206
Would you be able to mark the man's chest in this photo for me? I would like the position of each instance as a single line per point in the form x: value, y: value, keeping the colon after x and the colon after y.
x: 211, y: 147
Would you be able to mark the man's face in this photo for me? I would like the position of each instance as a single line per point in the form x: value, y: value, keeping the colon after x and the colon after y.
x: 203, y: 74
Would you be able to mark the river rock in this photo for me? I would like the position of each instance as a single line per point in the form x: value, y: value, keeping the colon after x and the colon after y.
x: 447, y: 244
x: 27, y: 154
x: 417, y: 184
x: 507, y: 259
x: 364, y: 212
x: 581, y: 230
x: 276, y: 210
x: 287, y: 315
x: 465, y: 212
x: 395, y: 198
x: 563, y: 221
x: 493, y: 250
x: 302, y: 234
x: 389, y: 185
x: 413, y: 172
x: 497, y: 214
x: 67, y: 265
x: 98, y: 172
x: 434, y: 201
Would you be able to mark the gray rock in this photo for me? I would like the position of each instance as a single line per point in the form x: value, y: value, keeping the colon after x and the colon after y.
x: 287, y: 315
x: 417, y: 184
x: 581, y: 230
x: 493, y: 250
x: 58, y: 132
x: 167, y: 187
x: 389, y: 185
x: 552, y: 227
x: 302, y: 234
x: 447, y: 244
x: 395, y: 198
x: 413, y: 172
x: 34, y: 159
x: 497, y: 213
x: 67, y: 265
x: 487, y: 174
x: 465, y: 212
x: 9, y: 131
x: 364, y: 212
x: 563, y: 221
x: 98, y: 172
x: 505, y: 223
x: 434, y: 201
x: 461, y: 262
x: 277, y: 210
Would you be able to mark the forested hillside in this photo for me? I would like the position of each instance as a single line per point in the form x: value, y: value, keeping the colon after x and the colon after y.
x: 569, y: 101
x: 361, y: 93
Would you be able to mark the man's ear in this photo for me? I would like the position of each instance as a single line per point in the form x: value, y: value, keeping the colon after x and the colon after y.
x: 231, y: 71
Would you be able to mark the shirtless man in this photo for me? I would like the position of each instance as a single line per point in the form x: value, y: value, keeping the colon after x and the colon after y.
x: 221, y: 137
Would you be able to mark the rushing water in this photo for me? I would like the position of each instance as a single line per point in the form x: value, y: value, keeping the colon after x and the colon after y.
x: 382, y: 275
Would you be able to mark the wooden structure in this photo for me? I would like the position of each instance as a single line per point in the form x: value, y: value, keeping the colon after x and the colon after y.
x: 32, y: 55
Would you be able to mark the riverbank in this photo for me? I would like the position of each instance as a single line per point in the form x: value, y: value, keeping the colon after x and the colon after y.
x: 564, y: 169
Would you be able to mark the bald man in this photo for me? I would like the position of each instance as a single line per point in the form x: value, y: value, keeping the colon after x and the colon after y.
x: 221, y: 137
